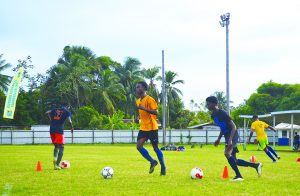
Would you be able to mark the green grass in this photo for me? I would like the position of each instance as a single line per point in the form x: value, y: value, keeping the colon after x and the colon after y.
x: 18, y: 175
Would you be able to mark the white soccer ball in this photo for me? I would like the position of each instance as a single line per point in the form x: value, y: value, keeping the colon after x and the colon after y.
x: 107, y: 172
x: 65, y: 164
x: 197, y: 173
x: 252, y: 159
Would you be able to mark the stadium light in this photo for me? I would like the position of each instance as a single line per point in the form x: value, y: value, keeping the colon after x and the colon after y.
x: 225, y: 20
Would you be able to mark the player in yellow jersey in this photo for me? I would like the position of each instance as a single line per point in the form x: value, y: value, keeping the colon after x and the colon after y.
x: 147, y: 107
x: 259, y: 127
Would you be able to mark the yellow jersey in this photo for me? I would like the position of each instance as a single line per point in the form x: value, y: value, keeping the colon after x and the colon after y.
x: 259, y: 128
x: 147, y: 121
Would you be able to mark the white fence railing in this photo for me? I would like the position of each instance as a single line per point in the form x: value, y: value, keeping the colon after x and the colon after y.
x: 111, y: 136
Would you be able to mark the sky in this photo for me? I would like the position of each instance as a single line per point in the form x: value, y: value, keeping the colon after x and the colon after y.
x: 264, y: 38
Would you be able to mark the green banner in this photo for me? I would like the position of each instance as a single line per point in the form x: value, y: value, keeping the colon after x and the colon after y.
x: 12, y: 95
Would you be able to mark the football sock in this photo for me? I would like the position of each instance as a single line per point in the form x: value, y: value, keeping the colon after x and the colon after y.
x: 55, y: 152
x: 243, y: 163
x: 160, y: 157
x: 60, y: 154
x: 145, y: 154
x: 270, y: 155
x: 232, y: 162
x: 272, y: 151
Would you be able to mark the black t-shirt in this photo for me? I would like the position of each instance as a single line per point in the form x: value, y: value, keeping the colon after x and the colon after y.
x: 58, y: 118
x: 222, y: 119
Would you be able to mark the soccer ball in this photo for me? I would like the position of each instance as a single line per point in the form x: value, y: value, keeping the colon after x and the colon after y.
x: 252, y: 159
x: 197, y: 173
x: 65, y: 164
x: 107, y: 172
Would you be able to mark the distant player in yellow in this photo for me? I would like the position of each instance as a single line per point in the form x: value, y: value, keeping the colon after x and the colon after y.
x: 259, y: 127
x: 147, y: 107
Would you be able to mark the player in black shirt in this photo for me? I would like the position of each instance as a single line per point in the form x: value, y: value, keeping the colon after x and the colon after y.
x: 228, y: 129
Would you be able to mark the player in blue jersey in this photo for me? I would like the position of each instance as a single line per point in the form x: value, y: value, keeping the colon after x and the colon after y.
x: 57, y: 118
x: 228, y: 129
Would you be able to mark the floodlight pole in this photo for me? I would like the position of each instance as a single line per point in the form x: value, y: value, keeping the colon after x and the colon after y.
x: 225, y: 22
x: 163, y: 98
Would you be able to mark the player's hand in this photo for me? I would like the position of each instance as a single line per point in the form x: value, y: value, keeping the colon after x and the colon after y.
x: 217, y: 142
x: 248, y: 142
x: 72, y: 129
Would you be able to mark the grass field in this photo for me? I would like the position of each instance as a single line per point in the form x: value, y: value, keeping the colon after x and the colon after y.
x: 18, y: 175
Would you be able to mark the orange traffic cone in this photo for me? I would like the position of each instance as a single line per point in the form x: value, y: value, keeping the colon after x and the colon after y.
x: 225, y: 173
x: 298, y: 160
x: 253, y: 159
x: 39, y: 166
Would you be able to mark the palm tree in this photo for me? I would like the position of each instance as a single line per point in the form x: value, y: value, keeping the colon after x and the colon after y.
x: 4, y: 79
x: 172, y: 93
x: 151, y: 74
x: 108, y: 92
x: 129, y: 74
x: 71, y: 78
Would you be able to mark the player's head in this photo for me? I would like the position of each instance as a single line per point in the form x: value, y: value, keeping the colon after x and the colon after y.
x: 141, y: 87
x: 211, y: 103
x: 254, y: 117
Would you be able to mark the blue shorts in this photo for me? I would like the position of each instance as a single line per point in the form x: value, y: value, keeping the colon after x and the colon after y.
x: 235, y: 139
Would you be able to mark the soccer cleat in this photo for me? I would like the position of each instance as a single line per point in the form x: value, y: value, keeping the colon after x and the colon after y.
x: 56, y: 167
x: 259, y: 169
x: 274, y: 161
x: 237, y: 179
x: 278, y: 157
x: 163, y: 172
x: 152, y: 166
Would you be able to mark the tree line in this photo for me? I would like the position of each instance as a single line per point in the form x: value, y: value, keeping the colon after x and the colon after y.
x: 101, y: 93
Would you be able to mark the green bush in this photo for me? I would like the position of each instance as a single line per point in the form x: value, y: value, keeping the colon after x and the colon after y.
x: 87, y: 118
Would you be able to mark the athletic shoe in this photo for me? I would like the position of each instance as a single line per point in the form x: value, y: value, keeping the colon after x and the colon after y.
x: 259, y: 169
x: 56, y: 167
x: 237, y: 179
x: 278, y: 157
x: 274, y: 161
x: 163, y: 172
x: 152, y: 166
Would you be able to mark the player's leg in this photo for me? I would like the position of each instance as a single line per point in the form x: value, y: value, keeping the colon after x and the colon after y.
x: 243, y: 163
x: 60, y: 153
x: 142, y: 137
x: 159, y: 154
x: 55, y: 153
x: 232, y: 162
x: 56, y: 149
x: 271, y: 149
x: 263, y: 145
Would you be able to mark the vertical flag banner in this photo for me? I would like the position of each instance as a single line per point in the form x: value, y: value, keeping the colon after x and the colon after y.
x: 12, y: 95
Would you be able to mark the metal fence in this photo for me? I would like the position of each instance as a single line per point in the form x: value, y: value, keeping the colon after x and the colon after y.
x: 110, y: 136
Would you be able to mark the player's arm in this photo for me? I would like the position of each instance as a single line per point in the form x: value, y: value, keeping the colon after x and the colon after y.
x: 233, y: 130
x: 250, y: 136
x: 48, y: 114
x: 154, y: 112
x: 272, y: 128
x: 70, y: 121
x: 217, y: 142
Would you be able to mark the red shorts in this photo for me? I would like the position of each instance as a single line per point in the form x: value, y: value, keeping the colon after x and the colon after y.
x: 57, y: 138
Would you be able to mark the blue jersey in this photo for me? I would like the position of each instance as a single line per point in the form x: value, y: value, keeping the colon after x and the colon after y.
x: 58, y: 118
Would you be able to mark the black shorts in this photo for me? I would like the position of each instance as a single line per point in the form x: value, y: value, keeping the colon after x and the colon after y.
x: 149, y: 135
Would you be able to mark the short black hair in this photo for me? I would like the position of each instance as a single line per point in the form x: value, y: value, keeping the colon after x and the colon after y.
x: 254, y: 117
x: 144, y: 84
x: 212, y: 99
